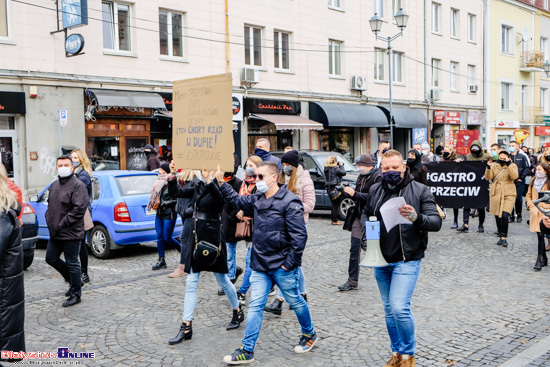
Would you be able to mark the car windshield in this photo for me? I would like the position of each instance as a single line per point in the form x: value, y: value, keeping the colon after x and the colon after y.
x: 322, y: 159
x: 135, y: 185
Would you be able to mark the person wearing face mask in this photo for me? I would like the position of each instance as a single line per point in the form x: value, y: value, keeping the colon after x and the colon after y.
x: 539, y: 184
x: 263, y: 148
x: 501, y: 174
x: 67, y: 203
x: 495, y: 149
x: 416, y: 168
x: 280, y: 236
x: 521, y: 160
x: 334, y: 172
x: 299, y: 182
x: 544, y: 157
x: 403, y: 248
x: 368, y: 176
x: 427, y: 155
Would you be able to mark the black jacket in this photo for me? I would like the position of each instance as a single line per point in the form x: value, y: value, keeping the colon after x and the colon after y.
x: 153, y: 161
x: 83, y: 176
x: 209, y: 201
x: 279, y: 234
x: 229, y: 214
x: 333, y: 176
x: 362, y: 187
x: 413, y: 238
x: 67, y: 204
x: 522, y: 161
x: 184, y: 206
x: 167, y: 205
x: 12, y: 291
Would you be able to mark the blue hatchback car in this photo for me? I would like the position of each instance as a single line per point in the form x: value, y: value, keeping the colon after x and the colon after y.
x: 119, y: 211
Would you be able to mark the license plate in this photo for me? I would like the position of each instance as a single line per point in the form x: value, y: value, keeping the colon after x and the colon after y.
x: 150, y: 212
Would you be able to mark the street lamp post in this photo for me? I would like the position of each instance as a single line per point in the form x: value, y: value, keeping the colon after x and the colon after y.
x: 546, y: 67
x: 401, y: 19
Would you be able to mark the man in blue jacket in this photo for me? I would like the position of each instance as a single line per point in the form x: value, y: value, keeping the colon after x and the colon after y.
x: 279, y: 240
x: 263, y: 147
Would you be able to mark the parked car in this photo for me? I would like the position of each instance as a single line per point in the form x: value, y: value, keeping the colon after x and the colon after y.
x: 119, y: 211
x: 29, y: 234
x: 314, y: 161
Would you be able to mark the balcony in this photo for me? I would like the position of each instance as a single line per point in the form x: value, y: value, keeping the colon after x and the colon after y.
x: 531, y: 61
x: 531, y: 115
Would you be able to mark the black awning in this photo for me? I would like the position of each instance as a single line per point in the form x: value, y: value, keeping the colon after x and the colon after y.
x: 406, y: 118
x: 115, y: 98
x: 347, y: 115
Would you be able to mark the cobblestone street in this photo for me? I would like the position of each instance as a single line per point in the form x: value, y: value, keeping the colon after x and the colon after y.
x: 476, y: 304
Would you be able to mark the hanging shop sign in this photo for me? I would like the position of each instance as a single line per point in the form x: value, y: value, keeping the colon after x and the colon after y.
x: 507, y: 124
x: 74, y: 44
x: 439, y: 117
x: 237, y: 107
x: 542, y: 130
x: 273, y: 107
x: 12, y: 102
x: 420, y: 135
x: 453, y: 117
x: 74, y: 12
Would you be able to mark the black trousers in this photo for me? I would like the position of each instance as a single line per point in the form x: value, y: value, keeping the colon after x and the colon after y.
x: 354, y: 258
x: 334, y: 210
x: 466, y: 215
x: 70, y: 268
x: 519, y: 197
x: 502, y: 224
x: 83, y: 256
x: 541, y: 245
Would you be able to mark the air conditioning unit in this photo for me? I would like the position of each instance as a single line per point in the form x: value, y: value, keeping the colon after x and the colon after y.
x: 435, y: 94
x: 358, y: 82
x: 473, y: 88
x: 249, y: 75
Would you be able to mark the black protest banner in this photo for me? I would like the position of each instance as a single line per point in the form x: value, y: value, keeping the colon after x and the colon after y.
x: 459, y: 185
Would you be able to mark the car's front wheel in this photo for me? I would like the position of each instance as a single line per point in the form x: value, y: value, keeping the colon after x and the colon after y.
x: 345, y: 205
x: 100, y: 242
x: 27, y: 260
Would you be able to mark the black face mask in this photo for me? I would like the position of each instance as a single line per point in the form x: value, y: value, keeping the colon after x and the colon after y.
x: 446, y: 155
x: 411, y: 161
x: 547, y: 157
x: 475, y: 152
x: 503, y: 163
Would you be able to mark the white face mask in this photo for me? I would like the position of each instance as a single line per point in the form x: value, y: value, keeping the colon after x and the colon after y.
x: 262, y: 187
x: 64, y: 171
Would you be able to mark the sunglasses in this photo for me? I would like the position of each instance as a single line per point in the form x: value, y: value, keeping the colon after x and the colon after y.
x: 261, y: 177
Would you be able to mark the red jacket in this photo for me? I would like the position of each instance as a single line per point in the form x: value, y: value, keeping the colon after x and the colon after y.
x: 13, y: 187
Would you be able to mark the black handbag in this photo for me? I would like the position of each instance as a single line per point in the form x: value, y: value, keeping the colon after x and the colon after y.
x: 334, y: 193
x: 205, y: 252
x: 350, y: 218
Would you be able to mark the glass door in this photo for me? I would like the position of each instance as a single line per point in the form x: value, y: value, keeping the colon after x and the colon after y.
x: 8, y: 147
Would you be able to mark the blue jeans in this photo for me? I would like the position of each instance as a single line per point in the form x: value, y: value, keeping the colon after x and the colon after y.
x: 396, y: 283
x: 246, y: 277
x: 301, y: 284
x: 261, y: 283
x: 191, y: 293
x: 231, y: 259
x: 165, y: 230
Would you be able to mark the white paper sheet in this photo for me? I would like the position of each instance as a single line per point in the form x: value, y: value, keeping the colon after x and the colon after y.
x: 390, y: 213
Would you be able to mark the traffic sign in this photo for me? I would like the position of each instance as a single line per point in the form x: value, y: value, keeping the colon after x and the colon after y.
x: 63, y: 118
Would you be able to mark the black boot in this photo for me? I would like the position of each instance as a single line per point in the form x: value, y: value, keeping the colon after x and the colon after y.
x: 238, y: 317
x: 518, y: 218
x: 350, y: 285
x: 185, y: 333
x: 161, y: 264
x: 238, y: 272
x: 538, y: 264
x: 275, y: 307
x: 544, y: 259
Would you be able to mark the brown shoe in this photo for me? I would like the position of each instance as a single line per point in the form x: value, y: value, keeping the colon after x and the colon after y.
x: 395, y: 360
x: 409, y: 362
x: 178, y: 272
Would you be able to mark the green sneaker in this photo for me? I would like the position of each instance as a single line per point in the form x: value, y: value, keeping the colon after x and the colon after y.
x: 239, y: 356
x: 307, y: 341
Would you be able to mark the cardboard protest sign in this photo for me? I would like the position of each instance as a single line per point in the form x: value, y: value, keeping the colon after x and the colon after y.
x: 202, y: 130
x: 465, y: 140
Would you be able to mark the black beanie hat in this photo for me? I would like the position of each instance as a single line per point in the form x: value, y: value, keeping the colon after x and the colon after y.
x: 165, y: 167
x: 291, y: 157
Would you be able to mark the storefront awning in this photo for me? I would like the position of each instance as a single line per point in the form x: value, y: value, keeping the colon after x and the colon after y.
x: 170, y: 114
x: 115, y: 98
x: 347, y: 115
x: 406, y: 118
x: 289, y: 122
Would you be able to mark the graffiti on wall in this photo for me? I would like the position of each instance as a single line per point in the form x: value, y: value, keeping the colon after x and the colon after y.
x: 48, y: 161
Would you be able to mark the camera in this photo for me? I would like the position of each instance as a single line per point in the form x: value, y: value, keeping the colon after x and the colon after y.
x: 341, y: 186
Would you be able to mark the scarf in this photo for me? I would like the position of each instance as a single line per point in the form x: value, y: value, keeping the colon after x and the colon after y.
x: 539, y: 183
x: 159, y: 184
x: 247, y: 187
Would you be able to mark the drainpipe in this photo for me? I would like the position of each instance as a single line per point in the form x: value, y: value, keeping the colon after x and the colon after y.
x: 426, y: 96
x: 486, y: 92
x: 227, y: 69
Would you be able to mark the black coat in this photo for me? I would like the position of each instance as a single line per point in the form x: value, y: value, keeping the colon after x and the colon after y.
x: 522, y: 161
x: 229, y: 214
x: 333, y: 176
x: 153, y: 162
x: 362, y: 187
x: 12, y: 292
x: 67, y: 204
x: 167, y: 205
x: 184, y: 206
x: 209, y: 200
x: 84, y: 176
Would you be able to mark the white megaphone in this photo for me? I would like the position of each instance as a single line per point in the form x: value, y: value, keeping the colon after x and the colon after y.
x: 372, y: 258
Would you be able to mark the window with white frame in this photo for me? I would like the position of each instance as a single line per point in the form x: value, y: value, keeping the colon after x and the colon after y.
x: 471, y: 28
x: 505, y: 96
x: 337, y: 4
x: 544, y: 47
x: 334, y: 57
x: 454, y: 23
x: 252, y: 45
x: 436, y: 66
x: 471, y: 75
x: 544, y: 101
x: 436, y: 18
x: 454, y: 76
x: 397, y: 67
x: 281, y: 41
x: 379, y: 60
x: 396, y: 6
x: 116, y: 26
x: 4, y: 19
x: 379, y: 8
x: 506, y: 39
x: 171, y: 33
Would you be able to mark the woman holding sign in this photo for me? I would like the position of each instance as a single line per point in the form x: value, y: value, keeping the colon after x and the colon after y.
x: 501, y: 175
x: 539, y: 184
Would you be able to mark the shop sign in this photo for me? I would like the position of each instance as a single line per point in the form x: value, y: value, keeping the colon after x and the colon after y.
x: 450, y: 138
x: 74, y: 12
x: 546, y: 120
x: 273, y: 107
x: 474, y: 117
x: 237, y: 107
x: 420, y: 135
x: 167, y: 98
x: 464, y: 141
x: 74, y: 44
x: 453, y: 117
x: 12, y: 102
x: 439, y: 117
x: 507, y: 124
x: 542, y: 130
